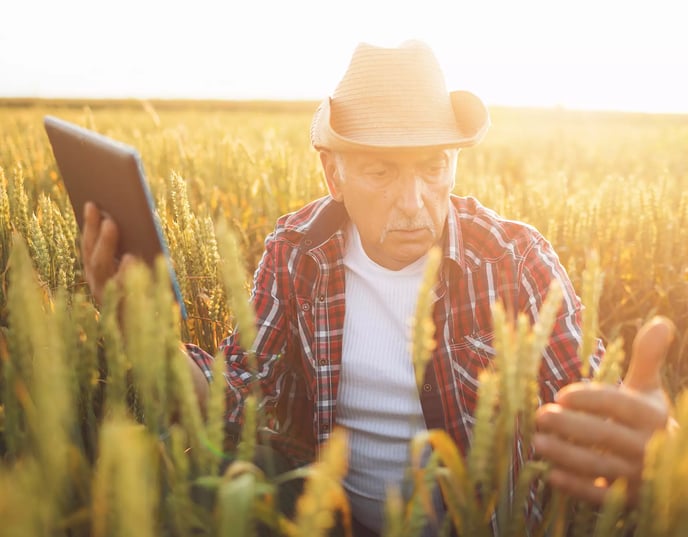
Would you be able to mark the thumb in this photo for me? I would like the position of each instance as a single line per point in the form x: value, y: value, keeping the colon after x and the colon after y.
x: 650, y: 347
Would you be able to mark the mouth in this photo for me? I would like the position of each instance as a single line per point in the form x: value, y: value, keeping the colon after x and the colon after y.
x: 410, y: 231
x: 408, y: 234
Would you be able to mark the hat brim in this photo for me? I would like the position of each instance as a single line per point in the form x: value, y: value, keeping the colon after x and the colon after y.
x: 470, y: 113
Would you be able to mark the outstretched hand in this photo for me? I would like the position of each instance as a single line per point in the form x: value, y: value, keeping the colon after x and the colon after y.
x: 595, y: 434
x: 98, y: 248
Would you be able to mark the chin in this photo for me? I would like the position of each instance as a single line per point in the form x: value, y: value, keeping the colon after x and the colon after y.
x: 408, y: 256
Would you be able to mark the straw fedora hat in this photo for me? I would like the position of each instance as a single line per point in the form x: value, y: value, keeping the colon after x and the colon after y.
x: 393, y: 98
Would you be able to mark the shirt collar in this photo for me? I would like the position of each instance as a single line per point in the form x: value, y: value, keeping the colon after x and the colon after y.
x: 323, y: 224
x: 452, y: 243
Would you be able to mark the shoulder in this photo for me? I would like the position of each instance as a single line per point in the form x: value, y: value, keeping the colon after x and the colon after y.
x: 318, y: 219
x: 290, y: 265
x: 488, y: 236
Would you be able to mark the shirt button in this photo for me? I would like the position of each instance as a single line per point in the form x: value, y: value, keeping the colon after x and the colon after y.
x: 427, y: 388
x: 305, y: 306
x: 322, y: 361
x: 321, y: 298
x: 325, y: 427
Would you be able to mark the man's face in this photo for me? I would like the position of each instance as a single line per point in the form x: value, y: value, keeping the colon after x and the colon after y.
x: 398, y: 200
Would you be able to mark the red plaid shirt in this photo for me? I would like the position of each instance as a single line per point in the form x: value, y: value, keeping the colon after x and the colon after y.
x: 298, y: 296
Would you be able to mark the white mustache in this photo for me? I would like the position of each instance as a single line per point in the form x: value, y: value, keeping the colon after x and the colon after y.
x: 421, y: 221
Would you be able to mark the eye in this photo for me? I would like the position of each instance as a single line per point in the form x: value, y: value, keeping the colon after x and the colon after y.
x: 435, y: 166
x: 377, y: 172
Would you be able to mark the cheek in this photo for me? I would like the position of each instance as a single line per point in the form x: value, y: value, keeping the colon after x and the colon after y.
x: 374, y: 205
x: 370, y: 211
x: 436, y: 201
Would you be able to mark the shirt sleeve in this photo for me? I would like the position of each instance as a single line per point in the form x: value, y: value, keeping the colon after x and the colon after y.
x: 259, y: 369
x: 560, y: 362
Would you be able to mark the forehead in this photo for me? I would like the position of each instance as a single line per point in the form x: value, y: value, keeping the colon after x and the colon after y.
x: 397, y: 156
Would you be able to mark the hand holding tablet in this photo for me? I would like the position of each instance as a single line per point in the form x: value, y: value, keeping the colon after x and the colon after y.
x: 109, y: 174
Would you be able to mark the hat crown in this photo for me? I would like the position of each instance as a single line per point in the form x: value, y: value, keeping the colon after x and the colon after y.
x: 391, y: 92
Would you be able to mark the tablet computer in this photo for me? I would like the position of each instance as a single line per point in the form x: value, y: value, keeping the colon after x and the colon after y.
x: 110, y: 174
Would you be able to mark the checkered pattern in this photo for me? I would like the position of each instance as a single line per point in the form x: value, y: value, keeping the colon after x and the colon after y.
x: 298, y: 296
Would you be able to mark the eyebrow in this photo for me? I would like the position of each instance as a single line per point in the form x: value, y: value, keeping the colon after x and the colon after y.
x: 442, y: 154
x: 373, y: 159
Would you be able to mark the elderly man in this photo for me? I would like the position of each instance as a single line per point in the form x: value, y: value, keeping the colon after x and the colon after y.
x: 338, y: 282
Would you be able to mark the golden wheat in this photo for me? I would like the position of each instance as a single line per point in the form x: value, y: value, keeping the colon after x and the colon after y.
x: 98, y: 417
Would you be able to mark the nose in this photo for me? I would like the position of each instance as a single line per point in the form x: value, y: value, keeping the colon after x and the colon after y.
x: 410, y: 196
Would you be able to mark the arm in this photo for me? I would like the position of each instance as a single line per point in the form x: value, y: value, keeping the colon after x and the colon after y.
x: 561, y: 364
x: 98, y: 246
x: 260, y: 370
x: 244, y: 373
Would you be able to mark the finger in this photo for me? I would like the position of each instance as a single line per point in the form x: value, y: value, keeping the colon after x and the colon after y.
x: 626, y: 407
x: 592, y: 430
x: 650, y: 346
x: 102, y: 260
x: 128, y: 260
x: 90, y: 231
x: 585, y: 461
x: 582, y: 488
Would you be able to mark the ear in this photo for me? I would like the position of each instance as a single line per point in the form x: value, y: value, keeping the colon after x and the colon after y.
x: 331, y: 170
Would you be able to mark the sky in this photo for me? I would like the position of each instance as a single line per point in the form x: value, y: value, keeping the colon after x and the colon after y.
x: 590, y: 54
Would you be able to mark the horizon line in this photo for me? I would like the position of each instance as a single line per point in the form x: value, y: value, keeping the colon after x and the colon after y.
x: 20, y: 100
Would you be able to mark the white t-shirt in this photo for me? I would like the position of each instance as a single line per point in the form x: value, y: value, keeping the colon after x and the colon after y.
x: 378, y: 401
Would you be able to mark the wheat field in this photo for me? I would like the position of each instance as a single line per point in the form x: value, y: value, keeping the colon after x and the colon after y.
x: 85, y: 419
